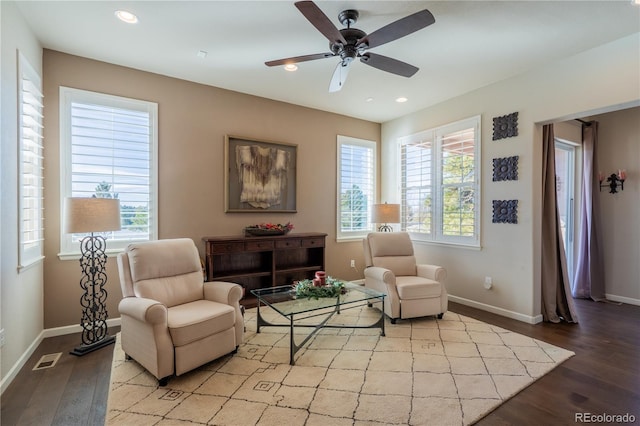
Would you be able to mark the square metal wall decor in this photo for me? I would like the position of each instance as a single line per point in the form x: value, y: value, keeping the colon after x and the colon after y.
x: 505, y: 168
x: 505, y: 126
x: 505, y: 211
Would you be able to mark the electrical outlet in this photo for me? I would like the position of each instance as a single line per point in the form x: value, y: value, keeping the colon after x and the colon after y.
x: 1, y: 337
x: 488, y: 283
x: 353, y: 263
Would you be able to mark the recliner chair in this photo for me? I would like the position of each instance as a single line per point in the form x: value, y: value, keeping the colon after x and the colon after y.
x: 171, y: 320
x: 413, y: 290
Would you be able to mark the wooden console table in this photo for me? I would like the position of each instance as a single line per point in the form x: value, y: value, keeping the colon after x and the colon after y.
x: 262, y: 262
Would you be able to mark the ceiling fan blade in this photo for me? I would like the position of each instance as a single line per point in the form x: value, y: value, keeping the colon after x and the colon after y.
x: 400, y: 28
x: 387, y: 64
x: 339, y: 76
x: 296, y: 59
x: 319, y: 20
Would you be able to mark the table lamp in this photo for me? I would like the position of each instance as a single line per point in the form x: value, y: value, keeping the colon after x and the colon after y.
x: 386, y: 213
x: 91, y: 215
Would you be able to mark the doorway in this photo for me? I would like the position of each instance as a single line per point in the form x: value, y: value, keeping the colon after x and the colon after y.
x: 565, y: 192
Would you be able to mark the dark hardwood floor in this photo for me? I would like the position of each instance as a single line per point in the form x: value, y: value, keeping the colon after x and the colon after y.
x: 602, y: 378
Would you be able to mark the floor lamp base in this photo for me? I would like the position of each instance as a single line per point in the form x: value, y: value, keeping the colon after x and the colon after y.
x: 85, y: 349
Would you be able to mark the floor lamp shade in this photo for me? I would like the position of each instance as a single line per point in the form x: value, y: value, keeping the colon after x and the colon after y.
x: 386, y: 213
x: 89, y: 216
x: 84, y: 215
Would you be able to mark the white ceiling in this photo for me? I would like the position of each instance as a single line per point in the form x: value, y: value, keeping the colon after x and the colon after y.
x: 472, y: 44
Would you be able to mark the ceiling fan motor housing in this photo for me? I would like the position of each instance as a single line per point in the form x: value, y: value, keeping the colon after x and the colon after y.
x: 350, y: 51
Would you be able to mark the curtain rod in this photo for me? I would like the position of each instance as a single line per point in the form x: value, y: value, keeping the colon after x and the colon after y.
x: 586, y: 123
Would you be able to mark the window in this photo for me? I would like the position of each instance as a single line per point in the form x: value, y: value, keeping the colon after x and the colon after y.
x: 356, y: 186
x: 109, y: 149
x: 30, y: 174
x: 440, y: 183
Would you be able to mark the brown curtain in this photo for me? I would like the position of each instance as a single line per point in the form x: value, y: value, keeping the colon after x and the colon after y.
x: 588, y: 281
x: 557, y: 304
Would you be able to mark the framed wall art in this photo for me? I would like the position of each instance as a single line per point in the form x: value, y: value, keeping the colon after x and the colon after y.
x: 260, y: 176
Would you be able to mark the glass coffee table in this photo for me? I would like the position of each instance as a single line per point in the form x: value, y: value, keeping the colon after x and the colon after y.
x: 283, y: 300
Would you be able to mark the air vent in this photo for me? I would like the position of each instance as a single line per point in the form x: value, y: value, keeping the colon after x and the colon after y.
x: 47, y: 361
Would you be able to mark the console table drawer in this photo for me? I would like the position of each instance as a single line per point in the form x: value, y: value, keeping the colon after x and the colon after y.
x: 226, y: 248
x: 288, y: 243
x: 258, y: 245
x: 313, y: 242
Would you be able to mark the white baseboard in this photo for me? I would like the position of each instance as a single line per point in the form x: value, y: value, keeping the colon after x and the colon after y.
x: 13, y: 372
x: 50, y: 332
x: 70, y: 329
x: 495, y: 310
x: 622, y: 299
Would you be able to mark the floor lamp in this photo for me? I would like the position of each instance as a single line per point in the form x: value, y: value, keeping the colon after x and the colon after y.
x: 91, y: 215
x: 386, y: 213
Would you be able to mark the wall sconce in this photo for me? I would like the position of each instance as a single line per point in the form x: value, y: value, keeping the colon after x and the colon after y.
x: 386, y: 213
x: 613, y: 181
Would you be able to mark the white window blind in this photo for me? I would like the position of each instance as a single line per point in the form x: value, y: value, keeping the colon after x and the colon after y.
x: 458, y: 183
x: 30, y: 187
x: 356, y: 186
x: 440, y: 181
x: 417, y: 199
x: 111, y: 153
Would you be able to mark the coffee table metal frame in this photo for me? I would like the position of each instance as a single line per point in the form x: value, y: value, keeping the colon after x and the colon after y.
x: 282, y: 299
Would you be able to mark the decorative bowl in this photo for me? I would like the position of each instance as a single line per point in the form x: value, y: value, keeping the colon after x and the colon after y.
x: 265, y: 229
x: 261, y: 232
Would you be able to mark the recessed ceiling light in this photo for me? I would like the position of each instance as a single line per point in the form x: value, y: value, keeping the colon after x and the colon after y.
x: 127, y: 17
x: 291, y: 67
x: 401, y: 99
x: 369, y: 99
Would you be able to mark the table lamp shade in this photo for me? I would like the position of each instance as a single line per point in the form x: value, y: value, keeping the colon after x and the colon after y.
x: 83, y: 215
x: 386, y: 213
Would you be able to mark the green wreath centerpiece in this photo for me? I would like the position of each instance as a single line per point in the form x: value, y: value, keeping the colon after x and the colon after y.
x: 332, y: 288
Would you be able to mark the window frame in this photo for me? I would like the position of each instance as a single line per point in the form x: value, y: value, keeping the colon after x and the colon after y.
x: 435, y: 136
x: 68, y: 248
x: 372, y: 146
x: 33, y: 254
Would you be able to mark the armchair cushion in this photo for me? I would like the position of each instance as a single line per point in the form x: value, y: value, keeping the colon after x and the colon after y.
x: 417, y: 288
x: 168, y: 271
x: 196, y: 320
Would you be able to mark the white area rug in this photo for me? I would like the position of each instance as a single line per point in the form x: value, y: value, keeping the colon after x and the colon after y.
x: 425, y: 371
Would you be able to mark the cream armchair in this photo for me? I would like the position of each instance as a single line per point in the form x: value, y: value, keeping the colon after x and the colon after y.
x: 171, y: 320
x: 413, y: 290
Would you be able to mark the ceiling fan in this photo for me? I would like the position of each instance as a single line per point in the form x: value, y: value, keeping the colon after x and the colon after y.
x: 351, y: 43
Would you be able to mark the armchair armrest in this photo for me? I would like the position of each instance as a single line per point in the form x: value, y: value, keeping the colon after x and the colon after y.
x: 380, y: 274
x: 433, y: 272
x: 144, y: 310
x: 223, y: 292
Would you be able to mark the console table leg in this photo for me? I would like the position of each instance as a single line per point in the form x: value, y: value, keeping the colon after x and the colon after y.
x: 292, y: 345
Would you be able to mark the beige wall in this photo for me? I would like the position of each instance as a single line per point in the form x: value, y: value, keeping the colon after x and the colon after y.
x: 619, y: 148
x: 21, y: 292
x: 601, y: 79
x: 193, y: 120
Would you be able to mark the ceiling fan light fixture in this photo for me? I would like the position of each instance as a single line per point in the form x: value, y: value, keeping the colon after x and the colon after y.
x: 401, y: 99
x: 126, y: 16
x: 291, y: 67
